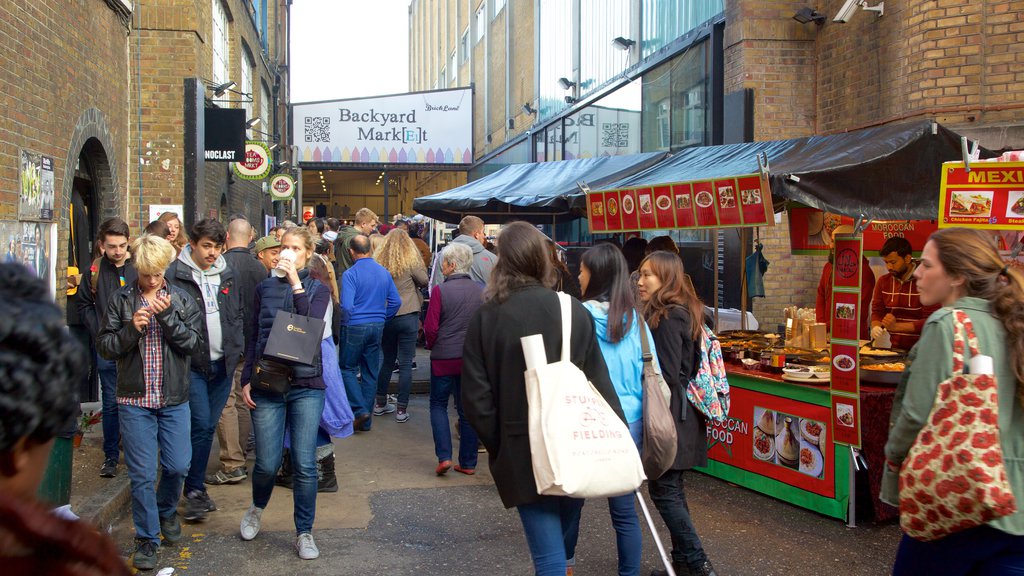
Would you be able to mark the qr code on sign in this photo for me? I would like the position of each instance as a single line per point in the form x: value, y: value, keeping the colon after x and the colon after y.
x: 318, y: 129
x: 615, y: 135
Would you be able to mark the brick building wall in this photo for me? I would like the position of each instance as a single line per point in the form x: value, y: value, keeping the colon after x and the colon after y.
x: 63, y: 71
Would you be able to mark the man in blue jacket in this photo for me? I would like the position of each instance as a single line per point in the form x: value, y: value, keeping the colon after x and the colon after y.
x: 368, y: 298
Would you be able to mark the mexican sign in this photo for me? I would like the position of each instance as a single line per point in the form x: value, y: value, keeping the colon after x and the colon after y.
x: 990, y: 195
x: 810, y: 231
x: 725, y: 202
x: 416, y: 128
x: 256, y: 165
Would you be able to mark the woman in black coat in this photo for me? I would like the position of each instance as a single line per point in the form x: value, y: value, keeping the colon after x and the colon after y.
x: 519, y: 302
x: 674, y: 313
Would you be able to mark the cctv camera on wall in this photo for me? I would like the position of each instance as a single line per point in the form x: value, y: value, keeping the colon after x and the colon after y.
x: 850, y: 8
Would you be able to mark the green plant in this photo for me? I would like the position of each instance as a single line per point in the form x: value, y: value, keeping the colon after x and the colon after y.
x: 88, y: 420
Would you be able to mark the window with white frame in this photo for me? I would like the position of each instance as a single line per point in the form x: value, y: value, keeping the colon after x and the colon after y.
x: 464, y: 46
x: 442, y: 80
x: 265, y: 104
x: 498, y: 5
x: 246, y: 88
x: 481, y: 22
x: 453, y: 70
x: 221, y: 52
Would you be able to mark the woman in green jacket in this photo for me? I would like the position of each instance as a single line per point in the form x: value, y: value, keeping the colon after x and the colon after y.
x: 961, y: 269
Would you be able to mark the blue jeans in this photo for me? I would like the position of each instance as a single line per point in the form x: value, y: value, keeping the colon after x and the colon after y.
x: 360, y: 354
x: 206, y: 398
x: 300, y: 410
x: 670, y: 499
x: 628, y: 537
x: 144, y: 431
x: 981, y: 551
x: 398, y: 340
x: 548, y: 525
x: 107, y: 370
x: 442, y: 387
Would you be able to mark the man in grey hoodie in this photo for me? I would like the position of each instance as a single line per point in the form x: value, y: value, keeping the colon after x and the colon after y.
x: 471, y: 234
x: 203, y: 274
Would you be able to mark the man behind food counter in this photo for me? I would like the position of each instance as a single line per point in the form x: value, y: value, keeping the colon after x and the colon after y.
x: 823, y: 303
x: 896, y: 305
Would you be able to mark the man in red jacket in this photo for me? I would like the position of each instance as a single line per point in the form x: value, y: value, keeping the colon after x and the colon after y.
x: 896, y: 305
x: 823, y: 303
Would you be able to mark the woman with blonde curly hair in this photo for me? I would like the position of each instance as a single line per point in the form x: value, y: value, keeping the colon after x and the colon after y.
x: 177, y: 236
x: 399, y: 256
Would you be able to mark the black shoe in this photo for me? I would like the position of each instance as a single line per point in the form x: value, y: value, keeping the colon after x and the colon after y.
x: 326, y: 481
x: 145, y: 555
x: 171, y: 528
x: 704, y: 569
x: 195, y: 506
x: 109, y: 468
x: 210, y: 506
x: 360, y: 421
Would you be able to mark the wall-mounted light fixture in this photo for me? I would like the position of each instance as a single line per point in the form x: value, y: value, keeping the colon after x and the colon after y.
x: 220, y: 89
x: 565, y: 83
x: 623, y: 43
x: 274, y: 146
x: 252, y: 122
x: 805, y: 15
x: 282, y: 165
x: 570, y: 100
x: 850, y: 8
x: 527, y: 109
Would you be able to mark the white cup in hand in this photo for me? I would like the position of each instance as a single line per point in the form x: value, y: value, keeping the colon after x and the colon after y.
x: 286, y: 254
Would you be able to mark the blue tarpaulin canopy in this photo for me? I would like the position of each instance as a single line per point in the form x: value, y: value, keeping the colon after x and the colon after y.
x: 538, y: 192
x: 890, y: 172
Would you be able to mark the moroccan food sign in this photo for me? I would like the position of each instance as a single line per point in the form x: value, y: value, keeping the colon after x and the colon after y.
x: 989, y: 196
x: 721, y: 203
x: 810, y: 231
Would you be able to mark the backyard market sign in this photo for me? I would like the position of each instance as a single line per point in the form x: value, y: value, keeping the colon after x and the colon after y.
x: 721, y: 203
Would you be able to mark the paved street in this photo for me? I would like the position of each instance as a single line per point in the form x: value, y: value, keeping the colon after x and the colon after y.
x: 394, y: 516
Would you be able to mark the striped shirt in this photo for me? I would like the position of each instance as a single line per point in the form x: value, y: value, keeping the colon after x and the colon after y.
x: 151, y: 346
x: 901, y: 299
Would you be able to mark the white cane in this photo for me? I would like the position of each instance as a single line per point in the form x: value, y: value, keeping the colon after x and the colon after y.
x: 654, y: 532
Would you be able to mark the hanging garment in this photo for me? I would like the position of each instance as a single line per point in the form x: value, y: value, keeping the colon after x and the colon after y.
x: 757, y: 265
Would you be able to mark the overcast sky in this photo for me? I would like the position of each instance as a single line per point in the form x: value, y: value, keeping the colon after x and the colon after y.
x: 349, y: 48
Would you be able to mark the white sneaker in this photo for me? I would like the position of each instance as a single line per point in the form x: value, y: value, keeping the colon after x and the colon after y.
x: 307, y: 547
x: 251, y: 522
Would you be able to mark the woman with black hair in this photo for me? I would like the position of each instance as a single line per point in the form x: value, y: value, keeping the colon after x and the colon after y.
x: 608, y: 296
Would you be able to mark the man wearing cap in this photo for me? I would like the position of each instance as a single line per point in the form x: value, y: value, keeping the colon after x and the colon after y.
x: 235, y: 422
x: 823, y: 304
x: 268, y: 252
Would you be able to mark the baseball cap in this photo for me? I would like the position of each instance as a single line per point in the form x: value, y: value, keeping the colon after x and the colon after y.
x: 267, y: 242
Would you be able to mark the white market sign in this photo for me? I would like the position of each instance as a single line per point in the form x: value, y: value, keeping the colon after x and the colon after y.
x: 282, y: 187
x: 256, y: 165
x: 416, y: 128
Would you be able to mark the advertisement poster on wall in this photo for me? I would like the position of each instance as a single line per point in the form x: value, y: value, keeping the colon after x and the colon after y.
x: 35, y: 200
x: 155, y: 210
x: 989, y: 196
x: 433, y: 127
x: 32, y: 245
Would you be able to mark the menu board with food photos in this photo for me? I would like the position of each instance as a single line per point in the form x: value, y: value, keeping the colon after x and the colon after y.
x: 721, y: 203
x: 990, y: 195
x: 845, y: 321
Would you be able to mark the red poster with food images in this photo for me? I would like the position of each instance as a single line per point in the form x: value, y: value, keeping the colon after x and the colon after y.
x: 728, y: 204
x: 663, y: 209
x: 786, y: 440
x: 645, y: 208
x: 845, y: 371
x: 627, y: 206
x: 846, y: 267
x: 682, y: 201
x: 990, y: 195
x: 846, y: 420
x: 755, y: 200
x: 612, y: 212
x: 595, y: 212
x: 845, y: 315
x: 704, y: 203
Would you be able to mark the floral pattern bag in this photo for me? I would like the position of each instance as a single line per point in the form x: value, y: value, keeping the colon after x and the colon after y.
x: 954, y: 477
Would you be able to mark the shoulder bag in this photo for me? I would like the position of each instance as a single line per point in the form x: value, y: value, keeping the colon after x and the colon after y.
x: 294, y: 339
x: 954, y: 477
x: 660, y: 440
x: 579, y: 447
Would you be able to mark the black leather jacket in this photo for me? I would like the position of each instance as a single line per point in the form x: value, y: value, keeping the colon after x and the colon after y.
x: 119, y: 340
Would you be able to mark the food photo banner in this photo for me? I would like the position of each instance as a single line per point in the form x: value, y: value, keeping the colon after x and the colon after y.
x: 845, y: 340
x: 720, y: 203
x: 810, y: 230
x: 989, y: 196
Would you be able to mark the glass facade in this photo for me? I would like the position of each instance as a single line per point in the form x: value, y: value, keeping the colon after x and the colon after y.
x: 516, y: 154
x: 556, y: 56
x: 675, y: 102
x: 662, y: 21
x: 600, y: 61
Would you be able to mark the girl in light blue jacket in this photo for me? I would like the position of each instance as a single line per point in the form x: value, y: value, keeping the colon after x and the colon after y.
x: 608, y: 296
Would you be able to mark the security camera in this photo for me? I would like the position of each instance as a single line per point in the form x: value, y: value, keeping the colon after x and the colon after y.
x: 848, y: 9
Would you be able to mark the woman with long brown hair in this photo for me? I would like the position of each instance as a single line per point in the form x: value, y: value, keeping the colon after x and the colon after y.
x: 176, y: 232
x: 399, y: 256
x: 675, y: 314
x: 519, y: 302
x: 961, y: 270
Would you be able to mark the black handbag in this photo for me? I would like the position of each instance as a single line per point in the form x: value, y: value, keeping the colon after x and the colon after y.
x: 271, y: 377
x: 295, y: 339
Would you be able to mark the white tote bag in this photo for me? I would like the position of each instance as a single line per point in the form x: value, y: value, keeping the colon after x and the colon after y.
x: 578, y: 445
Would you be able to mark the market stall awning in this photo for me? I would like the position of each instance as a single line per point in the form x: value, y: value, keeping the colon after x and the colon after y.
x: 539, y: 192
x: 890, y: 172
